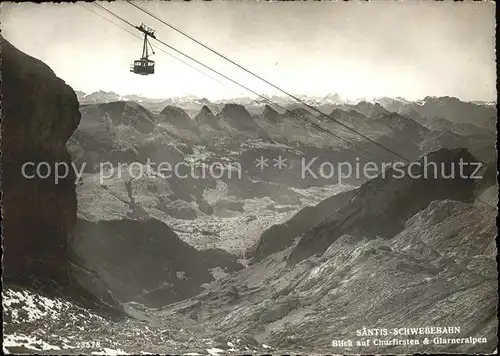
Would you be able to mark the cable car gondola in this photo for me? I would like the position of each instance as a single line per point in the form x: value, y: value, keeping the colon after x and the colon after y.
x: 144, y: 66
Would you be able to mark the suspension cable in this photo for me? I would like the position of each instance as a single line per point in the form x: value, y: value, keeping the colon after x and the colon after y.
x: 311, y: 122
x: 158, y: 48
x: 314, y: 124
x: 266, y: 81
x: 137, y: 36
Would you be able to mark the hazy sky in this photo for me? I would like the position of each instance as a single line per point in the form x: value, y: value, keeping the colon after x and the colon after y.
x: 409, y: 49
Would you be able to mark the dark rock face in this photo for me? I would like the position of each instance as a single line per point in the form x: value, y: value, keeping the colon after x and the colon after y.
x: 129, y: 113
x: 282, y: 236
x: 407, y: 134
x: 206, y: 117
x: 381, y: 206
x: 270, y: 114
x: 402, y: 125
x: 145, y: 261
x: 177, y: 117
x: 237, y: 117
x: 39, y: 114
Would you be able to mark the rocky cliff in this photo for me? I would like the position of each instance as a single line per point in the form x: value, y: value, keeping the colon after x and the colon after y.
x: 237, y: 117
x: 270, y: 114
x: 206, y: 119
x: 178, y: 118
x: 39, y: 114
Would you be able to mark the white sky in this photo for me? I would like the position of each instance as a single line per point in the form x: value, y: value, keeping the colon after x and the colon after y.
x: 409, y: 49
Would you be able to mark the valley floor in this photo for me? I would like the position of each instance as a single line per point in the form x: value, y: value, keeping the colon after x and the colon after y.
x: 237, y: 232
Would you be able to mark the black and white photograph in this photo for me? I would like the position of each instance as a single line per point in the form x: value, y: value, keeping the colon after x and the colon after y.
x: 249, y: 177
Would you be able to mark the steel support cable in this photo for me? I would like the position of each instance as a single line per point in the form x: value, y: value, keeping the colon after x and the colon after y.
x: 137, y: 36
x: 275, y: 86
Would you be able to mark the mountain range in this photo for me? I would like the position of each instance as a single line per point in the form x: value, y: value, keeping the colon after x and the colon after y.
x: 266, y: 261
